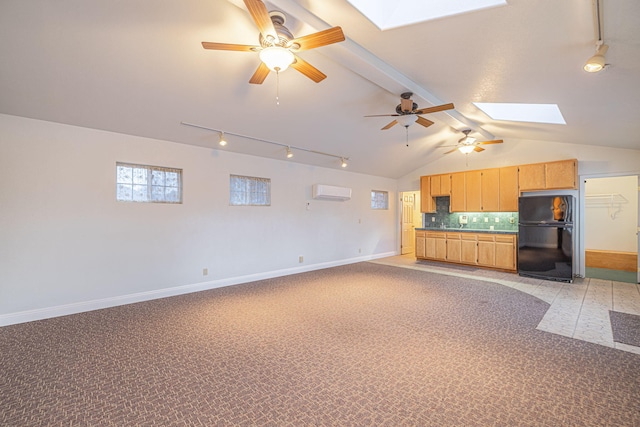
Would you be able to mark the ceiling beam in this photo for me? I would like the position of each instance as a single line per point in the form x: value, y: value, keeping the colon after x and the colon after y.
x: 367, y: 65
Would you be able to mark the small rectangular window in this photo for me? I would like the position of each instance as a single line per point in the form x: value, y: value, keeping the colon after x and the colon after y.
x: 379, y: 199
x: 249, y: 191
x: 148, y: 184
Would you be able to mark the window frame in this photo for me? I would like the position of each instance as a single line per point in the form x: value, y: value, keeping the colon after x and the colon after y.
x: 375, y: 200
x: 251, y: 196
x: 149, y: 184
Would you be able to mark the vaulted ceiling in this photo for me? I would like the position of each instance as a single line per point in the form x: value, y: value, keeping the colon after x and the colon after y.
x: 138, y: 67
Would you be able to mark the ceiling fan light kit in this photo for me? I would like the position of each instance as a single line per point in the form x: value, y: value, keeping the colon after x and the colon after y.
x: 276, y: 58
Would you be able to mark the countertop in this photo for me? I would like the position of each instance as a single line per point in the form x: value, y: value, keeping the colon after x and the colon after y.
x: 468, y: 230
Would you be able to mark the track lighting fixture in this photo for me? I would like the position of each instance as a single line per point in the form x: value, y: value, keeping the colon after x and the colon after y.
x: 288, y: 148
x: 597, y: 62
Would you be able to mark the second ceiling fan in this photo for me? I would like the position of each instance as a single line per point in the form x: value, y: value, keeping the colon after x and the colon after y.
x: 277, y: 46
x: 467, y: 144
x: 407, y: 112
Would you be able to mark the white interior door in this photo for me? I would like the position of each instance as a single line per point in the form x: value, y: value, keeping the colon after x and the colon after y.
x: 408, y: 227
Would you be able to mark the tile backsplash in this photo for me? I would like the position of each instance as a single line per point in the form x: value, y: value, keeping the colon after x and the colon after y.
x: 506, y: 221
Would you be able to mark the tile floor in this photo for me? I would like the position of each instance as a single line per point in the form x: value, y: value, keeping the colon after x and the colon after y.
x: 578, y: 310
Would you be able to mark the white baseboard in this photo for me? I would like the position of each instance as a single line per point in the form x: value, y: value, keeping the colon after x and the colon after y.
x: 84, y: 306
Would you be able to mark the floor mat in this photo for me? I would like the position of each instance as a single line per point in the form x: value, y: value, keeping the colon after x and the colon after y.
x: 625, y: 327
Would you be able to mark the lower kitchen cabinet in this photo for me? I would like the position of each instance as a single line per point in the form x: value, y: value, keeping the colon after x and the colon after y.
x: 421, y: 251
x: 453, y: 247
x: 488, y: 250
x: 506, y: 252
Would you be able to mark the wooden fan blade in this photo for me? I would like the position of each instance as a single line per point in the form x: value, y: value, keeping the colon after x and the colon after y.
x: 261, y: 17
x: 393, y: 123
x: 260, y: 74
x: 451, y: 151
x: 495, y: 141
x: 478, y: 149
x: 384, y: 115
x: 424, y: 122
x: 321, y: 38
x: 308, y: 70
x: 228, y: 46
x: 435, y: 109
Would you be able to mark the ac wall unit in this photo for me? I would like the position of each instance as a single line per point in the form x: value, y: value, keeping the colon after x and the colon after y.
x: 331, y: 192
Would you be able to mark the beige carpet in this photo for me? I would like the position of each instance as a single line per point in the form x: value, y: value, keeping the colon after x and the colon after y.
x: 358, y: 345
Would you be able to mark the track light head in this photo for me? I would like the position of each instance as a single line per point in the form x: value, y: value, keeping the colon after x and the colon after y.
x: 289, y: 153
x: 222, y: 141
x: 597, y: 62
x: 343, y: 162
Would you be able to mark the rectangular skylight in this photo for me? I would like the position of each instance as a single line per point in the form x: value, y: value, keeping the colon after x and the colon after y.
x: 392, y: 14
x: 535, y: 113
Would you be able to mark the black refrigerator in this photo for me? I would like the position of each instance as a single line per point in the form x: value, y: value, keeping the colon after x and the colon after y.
x: 546, y: 237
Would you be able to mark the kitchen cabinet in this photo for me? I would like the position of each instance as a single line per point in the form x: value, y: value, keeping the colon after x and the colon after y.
x: 427, y: 204
x: 435, y: 245
x: 490, y: 190
x: 473, y: 191
x: 486, y: 250
x: 440, y: 185
x: 497, y: 251
x: 421, y: 251
x: 531, y: 177
x: 454, y: 250
x: 478, y: 191
x: 468, y: 248
x: 457, y: 202
x: 505, y: 251
x: 508, y: 189
x: 563, y: 174
x: 548, y: 176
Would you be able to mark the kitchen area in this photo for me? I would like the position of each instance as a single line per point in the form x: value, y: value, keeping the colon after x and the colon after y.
x: 501, y: 218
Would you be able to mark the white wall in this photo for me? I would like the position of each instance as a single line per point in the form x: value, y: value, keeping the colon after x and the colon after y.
x: 611, y: 216
x: 66, y: 245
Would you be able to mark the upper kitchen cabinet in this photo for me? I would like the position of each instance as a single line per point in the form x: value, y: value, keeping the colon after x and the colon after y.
x: 509, y: 189
x: 563, y: 174
x: 548, y: 176
x: 490, y: 189
x: 458, y: 201
x: 476, y: 191
x: 427, y: 204
x: 440, y: 185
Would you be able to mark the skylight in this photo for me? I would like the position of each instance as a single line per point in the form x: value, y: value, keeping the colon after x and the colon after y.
x: 535, y: 113
x: 392, y: 14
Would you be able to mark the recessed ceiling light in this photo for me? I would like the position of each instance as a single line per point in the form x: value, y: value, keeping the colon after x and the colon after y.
x: 386, y: 15
x: 535, y: 113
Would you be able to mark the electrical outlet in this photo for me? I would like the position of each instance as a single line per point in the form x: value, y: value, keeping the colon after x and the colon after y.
x: 300, y: 259
x: 497, y: 220
x: 205, y: 271
x: 486, y: 219
x: 512, y: 220
x: 475, y: 219
x: 433, y: 219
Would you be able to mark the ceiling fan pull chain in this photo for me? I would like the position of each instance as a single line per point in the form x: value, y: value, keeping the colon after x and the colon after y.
x: 277, y: 88
x: 406, y: 128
